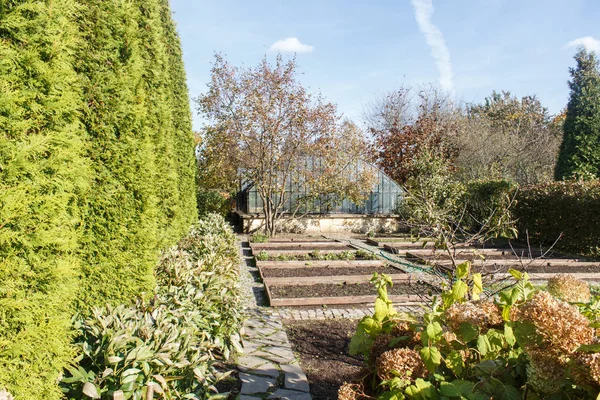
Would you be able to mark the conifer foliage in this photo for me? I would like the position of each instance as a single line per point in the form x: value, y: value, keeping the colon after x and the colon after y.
x: 580, y: 150
x: 96, y: 169
x: 43, y: 174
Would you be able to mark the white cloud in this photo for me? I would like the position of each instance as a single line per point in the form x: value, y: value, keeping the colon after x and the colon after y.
x: 291, y: 45
x: 435, y: 40
x: 588, y: 42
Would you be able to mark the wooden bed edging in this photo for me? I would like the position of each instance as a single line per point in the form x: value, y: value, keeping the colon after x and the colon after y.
x: 316, y: 301
x: 275, y: 252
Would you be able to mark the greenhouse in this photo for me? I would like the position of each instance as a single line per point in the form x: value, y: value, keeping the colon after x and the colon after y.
x: 376, y: 213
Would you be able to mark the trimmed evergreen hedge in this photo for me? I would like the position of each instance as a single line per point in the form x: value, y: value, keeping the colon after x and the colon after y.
x: 568, y: 208
x: 43, y: 176
x: 96, y: 169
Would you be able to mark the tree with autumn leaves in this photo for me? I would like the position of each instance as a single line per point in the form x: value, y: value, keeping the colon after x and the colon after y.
x: 265, y: 127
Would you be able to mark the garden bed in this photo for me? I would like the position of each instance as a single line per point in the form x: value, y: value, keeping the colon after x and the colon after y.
x: 319, y: 264
x: 341, y: 290
x: 310, y: 246
x: 323, y: 350
x: 301, y: 255
x: 326, y: 271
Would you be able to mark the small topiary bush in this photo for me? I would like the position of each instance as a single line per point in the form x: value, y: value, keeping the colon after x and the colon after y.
x: 570, y: 209
x: 524, y: 344
x: 173, y: 340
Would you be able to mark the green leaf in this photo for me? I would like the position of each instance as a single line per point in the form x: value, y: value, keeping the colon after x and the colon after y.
x: 509, y: 335
x: 518, y: 275
x: 391, y: 396
x: 371, y: 326
x: 483, y: 344
x: 431, y: 357
x: 361, y: 342
x: 434, y: 331
x: 381, y: 310
x: 525, y: 333
x: 487, y: 367
x: 467, y: 332
x: 506, y: 392
x: 90, y: 390
x: 589, y: 348
x: 422, y: 390
x: 459, y: 290
x: 477, y: 286
x: 455, y: 362
x: 456, y: 388
x: 462, y: 270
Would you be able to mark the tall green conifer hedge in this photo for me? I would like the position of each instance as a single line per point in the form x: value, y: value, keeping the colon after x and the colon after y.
x: 43, y: 177
x: 96, y: 169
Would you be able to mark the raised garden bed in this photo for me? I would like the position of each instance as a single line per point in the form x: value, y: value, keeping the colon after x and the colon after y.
x: 342, y: 290
x: 382, y: 241
x: 310, y: 246
x: 330, y: 279
x: 303, y: 239
x: 319, y: 264
x: 341, y: 255
x: 325, y: 271
x: 474, y: 253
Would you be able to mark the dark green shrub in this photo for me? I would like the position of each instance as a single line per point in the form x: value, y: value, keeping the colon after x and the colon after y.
x: 487, y: 205
x: 175, y: 339
x: 211, y: 201
x: 570, y: 209
x: 43, y: 177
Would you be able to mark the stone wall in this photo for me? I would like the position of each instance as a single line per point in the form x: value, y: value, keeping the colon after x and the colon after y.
x: 332, y: 223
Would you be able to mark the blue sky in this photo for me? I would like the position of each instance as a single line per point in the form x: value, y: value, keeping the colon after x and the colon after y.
x: 352, y: 50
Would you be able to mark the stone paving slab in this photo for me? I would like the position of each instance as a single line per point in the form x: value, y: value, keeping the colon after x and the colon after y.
x: 295, y: 378
x: 252, y: 384
x: 285, y: 394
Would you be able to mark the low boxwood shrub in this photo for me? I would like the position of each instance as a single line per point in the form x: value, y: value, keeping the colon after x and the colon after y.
x: 525, y: 343
x: 174, y: 340
x: 570, y: 210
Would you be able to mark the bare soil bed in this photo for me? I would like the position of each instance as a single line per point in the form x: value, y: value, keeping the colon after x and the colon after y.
x: 311, y: 257
x: 326, y: 271
x: 541, y: 268
x: 334, y: 290
x: 323, y: 350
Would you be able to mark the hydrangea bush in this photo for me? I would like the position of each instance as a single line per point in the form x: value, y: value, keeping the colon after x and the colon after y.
x: 524, y: 343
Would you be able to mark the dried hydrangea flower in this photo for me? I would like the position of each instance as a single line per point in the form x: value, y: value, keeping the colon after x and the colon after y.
x: 350, y: 391
x: 404, y: 363
x: 559, y: 323
x: 380, y: 346
x: 4, y: 395
x: 483, y: 314
x: 545, y: 370
x: 568, y: 288
x: 585, y: 368
x: 384, y: 341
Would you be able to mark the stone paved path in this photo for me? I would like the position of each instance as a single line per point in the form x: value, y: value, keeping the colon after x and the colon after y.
x: 268, y: 368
